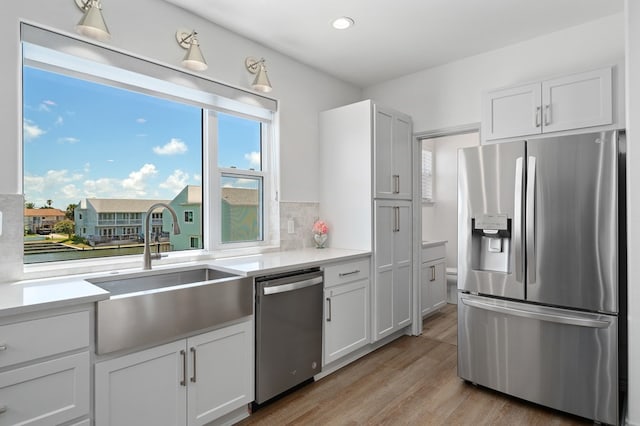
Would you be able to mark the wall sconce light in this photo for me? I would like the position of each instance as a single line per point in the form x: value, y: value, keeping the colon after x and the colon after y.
x: 92, y: 23
x: 256, y: 66
x: 193, y: 60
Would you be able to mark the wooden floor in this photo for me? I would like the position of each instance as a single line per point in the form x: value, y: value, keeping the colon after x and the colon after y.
x: 411, y: 381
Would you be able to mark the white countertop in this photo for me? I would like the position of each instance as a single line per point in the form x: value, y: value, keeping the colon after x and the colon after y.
x: 433, y: 243
x: 281, y: 261
x: 34, y: 295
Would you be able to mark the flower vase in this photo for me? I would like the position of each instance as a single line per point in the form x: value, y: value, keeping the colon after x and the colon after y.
x: 320, y: 240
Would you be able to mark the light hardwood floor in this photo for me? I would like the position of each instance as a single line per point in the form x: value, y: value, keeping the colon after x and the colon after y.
x: 411, y: 381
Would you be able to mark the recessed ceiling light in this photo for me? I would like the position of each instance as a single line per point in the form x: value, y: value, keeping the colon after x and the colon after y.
x: 342, y: 23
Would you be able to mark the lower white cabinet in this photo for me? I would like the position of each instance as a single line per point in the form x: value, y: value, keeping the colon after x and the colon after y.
x: 50, y: 392
x: 347, y: 308
x: 433, y: 279
x: 434, y: 286
x: 189, y: 382
x: 393, y: 267
x: 46, y: 362
x: 346, y: 326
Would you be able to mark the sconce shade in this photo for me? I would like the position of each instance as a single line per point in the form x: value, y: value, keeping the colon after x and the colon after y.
x: 256, y: 66
x: 92, y: 23
x: 261, y: 82
x: 193, y: 60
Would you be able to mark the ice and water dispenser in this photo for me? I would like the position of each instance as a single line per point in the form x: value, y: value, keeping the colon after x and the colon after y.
x: 490, y: 242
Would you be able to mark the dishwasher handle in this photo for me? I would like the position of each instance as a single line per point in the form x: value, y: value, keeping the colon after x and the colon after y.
x: 297, y: 285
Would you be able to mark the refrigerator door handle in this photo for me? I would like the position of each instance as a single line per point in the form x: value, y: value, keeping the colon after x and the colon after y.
x: 517, y: 219
x: 542, y: 316
x: 530, y: 219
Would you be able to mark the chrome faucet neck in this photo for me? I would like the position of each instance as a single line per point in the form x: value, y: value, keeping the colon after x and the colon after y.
x: 146, y: 255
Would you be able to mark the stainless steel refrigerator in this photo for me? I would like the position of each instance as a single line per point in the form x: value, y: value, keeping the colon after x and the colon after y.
x: 541, y: 270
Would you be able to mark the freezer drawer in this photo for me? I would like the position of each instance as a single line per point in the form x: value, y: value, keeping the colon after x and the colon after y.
x: 555, y: 357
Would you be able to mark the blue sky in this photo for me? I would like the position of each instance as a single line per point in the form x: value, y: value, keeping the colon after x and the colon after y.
x: 86, y: 140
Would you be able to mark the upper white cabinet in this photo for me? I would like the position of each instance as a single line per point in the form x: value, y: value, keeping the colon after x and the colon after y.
x: 189, y: 382
x: 565, y: 103
x: 392, y: 155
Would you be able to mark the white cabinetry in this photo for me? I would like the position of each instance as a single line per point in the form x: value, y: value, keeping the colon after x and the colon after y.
x: 566, y: 103
x: 347, y: 302
x: 50, y: 391
x: 392, y: 265
x: 366, y: 156
x: 433, y: 289
x: 192, y: 381
x: 392, y: 154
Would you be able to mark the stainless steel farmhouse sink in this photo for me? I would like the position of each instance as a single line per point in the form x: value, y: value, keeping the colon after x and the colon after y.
x: 156, y: 306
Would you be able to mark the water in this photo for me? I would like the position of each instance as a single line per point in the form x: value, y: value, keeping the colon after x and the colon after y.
x: 81, y: 254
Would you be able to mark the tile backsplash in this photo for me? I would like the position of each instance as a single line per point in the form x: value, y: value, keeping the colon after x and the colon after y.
x: 303, y: 216
x: 11, y: 206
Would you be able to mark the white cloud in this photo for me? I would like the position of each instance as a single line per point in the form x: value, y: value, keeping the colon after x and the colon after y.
x: 176, y: 181
x: 242, y: 183
x: 69, y: 140
x: 49, y: 183
x: 103, y: 187
x: 136, y: 182
x: 253, y: 158
x: 31, y: 130
x: 174, y: 146
x: 49, y: 102
x: 141, y: 120
x: 59, y: 121
x: 197, y: 178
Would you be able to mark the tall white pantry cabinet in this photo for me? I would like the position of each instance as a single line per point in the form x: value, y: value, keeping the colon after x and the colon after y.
x: 365, y: 197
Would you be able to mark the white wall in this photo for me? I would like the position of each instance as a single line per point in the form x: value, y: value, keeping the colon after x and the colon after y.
x: 449, y: 95
x: 440, y: 219
x: 633, y: 204
x: 147, y: 28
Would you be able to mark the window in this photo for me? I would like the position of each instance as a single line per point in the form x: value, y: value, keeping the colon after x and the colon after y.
x: 241, y: 179
x: 427, y: 175
x: 107, y: 143
x: 195, y: 242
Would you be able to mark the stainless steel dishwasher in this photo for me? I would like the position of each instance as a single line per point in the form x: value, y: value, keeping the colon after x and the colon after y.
x: 288, y: 331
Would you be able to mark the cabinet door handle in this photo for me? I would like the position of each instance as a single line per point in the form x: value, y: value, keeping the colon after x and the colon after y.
x: 433, y: 273
x: 193, y: 352
x: 3, y: 409
x: 346, y: 274
x: 547, y: 114
x: 328, y: 309
x: 397, y: 219
x: 396, y: 184
x: 538, y: 117
x: 183, y: 382
x: 3, y: 346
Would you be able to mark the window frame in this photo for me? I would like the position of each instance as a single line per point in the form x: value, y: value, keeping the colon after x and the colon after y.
x: 265, y: 174
x: 209, y: 95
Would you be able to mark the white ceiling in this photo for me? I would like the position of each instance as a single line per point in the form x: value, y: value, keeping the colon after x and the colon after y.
x: 392, y: 38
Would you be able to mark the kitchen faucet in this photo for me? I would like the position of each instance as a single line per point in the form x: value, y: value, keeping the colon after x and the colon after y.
x: 146, y: 256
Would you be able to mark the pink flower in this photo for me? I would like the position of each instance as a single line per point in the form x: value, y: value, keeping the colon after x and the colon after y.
x: 320, y: 227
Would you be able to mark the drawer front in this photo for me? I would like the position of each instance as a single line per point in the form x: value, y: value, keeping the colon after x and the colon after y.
x: 346, y: 272
x: 433, y: 253
x: 29, y: 340
x: 47, y: 393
